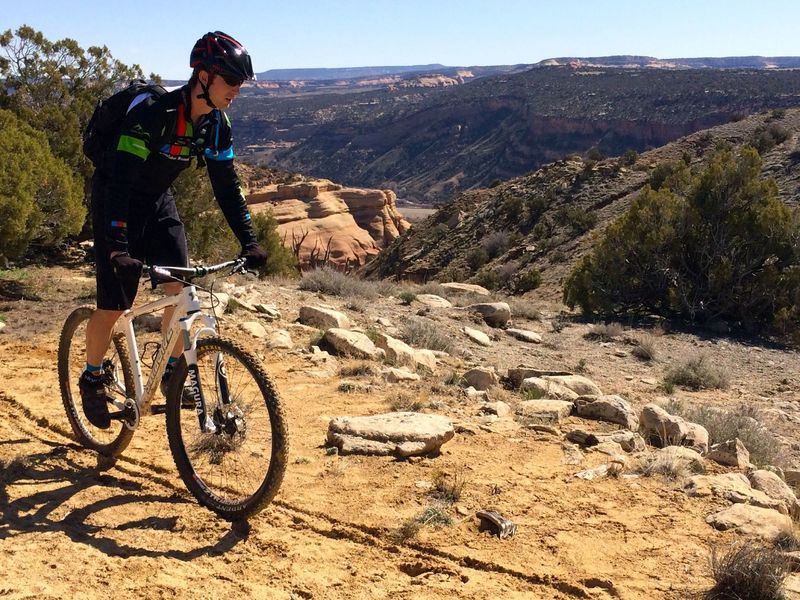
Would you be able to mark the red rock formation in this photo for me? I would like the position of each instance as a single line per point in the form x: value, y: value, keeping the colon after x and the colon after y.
x: 331, y: 222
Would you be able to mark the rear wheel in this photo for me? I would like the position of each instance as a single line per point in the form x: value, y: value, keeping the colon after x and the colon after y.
x: 236, y: 470
x: 118, y: 375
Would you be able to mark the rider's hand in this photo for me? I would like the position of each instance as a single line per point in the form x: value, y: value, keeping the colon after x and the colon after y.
x: 126, y: 268
x: 254, y: 255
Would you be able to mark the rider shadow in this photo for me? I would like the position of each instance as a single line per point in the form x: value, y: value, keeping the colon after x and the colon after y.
x: 34, y: 512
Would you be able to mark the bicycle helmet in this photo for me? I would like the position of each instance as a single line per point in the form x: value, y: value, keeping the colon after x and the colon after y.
x: 219, y: 53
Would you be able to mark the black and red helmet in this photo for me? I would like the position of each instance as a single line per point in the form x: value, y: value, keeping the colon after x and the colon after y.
x: 218, y: 52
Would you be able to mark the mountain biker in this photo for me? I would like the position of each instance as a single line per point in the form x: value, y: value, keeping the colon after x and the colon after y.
x: 133, y: 209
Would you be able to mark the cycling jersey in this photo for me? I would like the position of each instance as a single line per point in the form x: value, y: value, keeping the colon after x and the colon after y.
x: 158, y: 140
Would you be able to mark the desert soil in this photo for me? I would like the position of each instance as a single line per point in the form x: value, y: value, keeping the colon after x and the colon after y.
x: 74, y: 526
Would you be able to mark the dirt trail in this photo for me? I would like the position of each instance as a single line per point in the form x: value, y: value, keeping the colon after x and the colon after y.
x: 70, y: 527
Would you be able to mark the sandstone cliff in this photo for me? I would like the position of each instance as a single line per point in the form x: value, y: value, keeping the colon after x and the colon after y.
x: 345, y: 226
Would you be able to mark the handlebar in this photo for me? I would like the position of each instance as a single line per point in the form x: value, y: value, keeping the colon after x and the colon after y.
x: 189, y: 273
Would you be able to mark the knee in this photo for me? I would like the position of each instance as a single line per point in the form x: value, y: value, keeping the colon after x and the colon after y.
x: 107, y: 316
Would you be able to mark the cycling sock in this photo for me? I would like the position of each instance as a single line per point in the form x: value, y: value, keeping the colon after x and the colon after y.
x: 94, y: 370
x: 172, y: 360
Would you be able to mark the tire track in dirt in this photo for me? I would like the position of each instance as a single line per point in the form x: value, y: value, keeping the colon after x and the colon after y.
x: 414, y: 558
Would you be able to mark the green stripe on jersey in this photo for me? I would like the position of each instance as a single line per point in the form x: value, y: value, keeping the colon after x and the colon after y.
x: 133, y: 145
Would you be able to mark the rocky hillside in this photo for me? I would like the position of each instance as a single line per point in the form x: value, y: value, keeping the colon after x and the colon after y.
x: 545, y: 220
x: 428, y: 143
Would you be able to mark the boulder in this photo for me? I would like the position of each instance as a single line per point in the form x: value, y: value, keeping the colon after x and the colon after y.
x: 663, y: 429
x: 774, y: 487
x: 495, y: 314
x: 547, y: 389
x: 323, y: 318
x: 467, y: 287
x: 752, y: 521
x: 395, y: 375
x: 731, y: 453
x: 629, y: 441
x: 481, y: 378
x: 280, y: 339
x: 269, y: 311
x: 499, y: 408
x: 526, y: 336
x: 236, y: 304
x: 733, y: 487
x: 613, y: 409
x: 425, y: 359
x: 477, y: 336
x: 545, y: 411
x: 400, y: 434
x: 254, y: 328
x: 516, y: 375
x: 397, y: 351
x: 583, y: 386
x: 434, y: 301
x: 352, y: 343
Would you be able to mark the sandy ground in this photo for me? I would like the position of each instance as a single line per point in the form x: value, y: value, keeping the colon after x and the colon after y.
x: 75, y: 527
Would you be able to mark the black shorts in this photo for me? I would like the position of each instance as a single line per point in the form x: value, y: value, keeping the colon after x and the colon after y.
x: 156, y: 236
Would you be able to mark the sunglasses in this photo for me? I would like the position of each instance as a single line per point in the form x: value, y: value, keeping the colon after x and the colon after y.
x: 231, y: 80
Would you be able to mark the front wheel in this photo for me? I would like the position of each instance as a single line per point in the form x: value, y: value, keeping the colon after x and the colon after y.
x: 117, y: 375
x: 237, y: 469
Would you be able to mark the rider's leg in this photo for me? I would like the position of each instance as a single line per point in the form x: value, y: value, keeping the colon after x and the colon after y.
x: 98, y: 334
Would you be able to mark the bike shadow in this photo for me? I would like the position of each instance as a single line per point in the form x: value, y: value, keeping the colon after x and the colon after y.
x: 66, y: 479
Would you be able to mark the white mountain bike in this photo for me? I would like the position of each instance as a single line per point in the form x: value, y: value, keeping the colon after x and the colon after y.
x: 225, y: 423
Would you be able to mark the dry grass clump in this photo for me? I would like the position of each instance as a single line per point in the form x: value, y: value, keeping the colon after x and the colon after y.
x: 14, y: 468
x: 363, y: 369
x: 408, y: 402
x: 335, y: 283
x: 741, y: 422
x: 670, y: 467
x: 435, y: 515
x: 521, y: 309
x: 698, y: 372
x: 605, y: 332
x: 423, y: 333
x: 448, y: 489
x: 351, y: 387
x: 747, y: 569
x: 645, y: 348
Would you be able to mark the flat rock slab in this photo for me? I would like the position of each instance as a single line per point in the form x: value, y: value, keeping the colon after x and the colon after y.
x: 495, y: 314
x: 583, y: 386
x: 525, y: 336
x: 352, y: 343
x: 400, y: 434
x: 467, y: 287
x: 324, y: 318
x: 434, y: 301
x: 545, y: 411
x: 477, y: 336
x: 751, y: 520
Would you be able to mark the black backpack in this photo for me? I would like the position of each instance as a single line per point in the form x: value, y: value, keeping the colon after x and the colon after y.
x: 102, y: 131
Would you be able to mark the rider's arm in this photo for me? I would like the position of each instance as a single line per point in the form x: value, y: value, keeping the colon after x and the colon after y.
x: 142, y: 127
x: 226, y: 185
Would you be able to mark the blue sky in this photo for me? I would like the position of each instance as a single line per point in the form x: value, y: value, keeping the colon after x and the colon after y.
x: 348, y: 33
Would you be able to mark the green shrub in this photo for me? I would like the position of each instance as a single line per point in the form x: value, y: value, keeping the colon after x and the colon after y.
x: 477, y: 257
x: 578, y: 219
x: 40, y: 198
x: 526, y: 281
x: 766, y: 137
x: 727, y: 248
x: 407, y: 297
x: 698, y: 373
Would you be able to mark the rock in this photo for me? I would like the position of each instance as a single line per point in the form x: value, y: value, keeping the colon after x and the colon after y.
x: 583, y: 386
x: 495, y: 314
x: 280, y: 339
x: 481, y: 378
x: 628, y: 440
x: 663, y: 429
x: 254, y: 328
x: 384, y: 322
x: 397, y: 351
x: 477, y: 336
x: 733, y: 487
x: 545, y: 411
x: 474, y: 394
x: 525, y: 335
x: 434, y: 301
x: 352, y: 343
x: 235, y: 304
x: 751, y: 521
x: 547, y: 389
x: 774, y: 487
x: 268, y: 311
x: 467, y: 287
x: 609, y: 447
x: 516, y: 375
x: 401, y: 434
x: 572, y: 454
x: 2, y: 325
x: 425, y: 359
x: 499, y: 408
x: 596, y: 473
x: 613, y: 409
x: 395, y: 375
x: 731, y: 453
x: 218, y: 302
x: 324, y: 318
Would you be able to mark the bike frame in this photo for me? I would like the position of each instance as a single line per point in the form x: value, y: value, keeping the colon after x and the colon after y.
x: 187, y: 311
